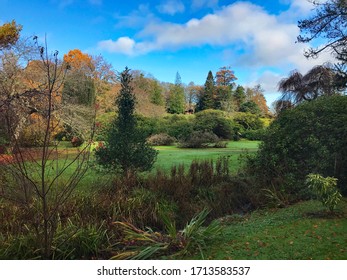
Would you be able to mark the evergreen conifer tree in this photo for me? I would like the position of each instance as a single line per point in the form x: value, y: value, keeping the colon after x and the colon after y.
x: 206, y: 100
x: 126, y: 149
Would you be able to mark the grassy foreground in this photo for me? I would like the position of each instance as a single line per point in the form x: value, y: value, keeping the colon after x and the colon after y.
x: 301, y: 232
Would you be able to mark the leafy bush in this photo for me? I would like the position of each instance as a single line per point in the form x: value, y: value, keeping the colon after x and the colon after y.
x: 310, y: 138
x: 254, y: 134
x: 324, y: 189
x: 177, y: 126
x: 250, y: 107
x: 149, y: 125
x: 161, y: 139
x: 32, y: 136
x: 248, y: 121
x: 214, y: 121
x: 200, y: 139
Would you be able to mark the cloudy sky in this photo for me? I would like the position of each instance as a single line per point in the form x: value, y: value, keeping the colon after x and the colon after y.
x: 255, y: 38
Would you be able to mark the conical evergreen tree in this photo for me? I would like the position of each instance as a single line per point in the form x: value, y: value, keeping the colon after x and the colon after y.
x: 206, y: 100
x: 126, y: 149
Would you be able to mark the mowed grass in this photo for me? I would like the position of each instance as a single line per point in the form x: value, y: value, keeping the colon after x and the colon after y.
x: 300, y: 232
x: 172, y: 155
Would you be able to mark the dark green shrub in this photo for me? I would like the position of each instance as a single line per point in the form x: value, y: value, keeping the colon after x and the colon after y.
x: 200, y: 139
x: 214, y: 121
x: 254, y: 134
x: 177, y: 126
x: 311, y: 138
x: 250, y: 107
x: 161, y: 139
x: 149, y: 126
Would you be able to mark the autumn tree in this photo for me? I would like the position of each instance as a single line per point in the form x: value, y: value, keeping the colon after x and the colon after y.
x: 126, y: 150
x: 256, y: 95
x: 78, y: 60
x: 192, y: 95
x: 149, y: 86
x: 104, y: 75
x: 87, y: 77
x: 38, y: 188
x: 225, y: 77
x: 176, y: 98
x: 9, y: 34
x: 79, y: 86
x: 18, y: 98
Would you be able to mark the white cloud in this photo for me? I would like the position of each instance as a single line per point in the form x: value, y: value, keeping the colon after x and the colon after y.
x: 268, y: 81
x: 266, y: 40
x: 304, y: 6
x: 298, y: 10
x: 123, y: 45
x: 171, y: 7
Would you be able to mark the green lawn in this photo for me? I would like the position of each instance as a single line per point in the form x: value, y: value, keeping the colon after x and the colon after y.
x: 167, y: 157
x: 302, y: 231
x: 171, y: 155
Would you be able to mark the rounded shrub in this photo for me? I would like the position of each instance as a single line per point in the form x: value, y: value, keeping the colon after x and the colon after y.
x: 214, y: 121
x: 161, y: 139
x: 200, y: 139
x: 177, y: 126
x: 311, y: 138
x: 248, y: 121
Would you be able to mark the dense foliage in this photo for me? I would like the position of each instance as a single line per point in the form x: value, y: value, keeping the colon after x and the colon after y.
x: 311, y: 138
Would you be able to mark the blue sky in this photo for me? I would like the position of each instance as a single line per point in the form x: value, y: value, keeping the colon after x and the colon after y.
x: 255, y: 38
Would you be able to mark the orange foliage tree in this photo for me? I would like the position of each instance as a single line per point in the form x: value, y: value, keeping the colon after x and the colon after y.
x: 78, y: 60
x: 256, y: 94
x: 225, y: 76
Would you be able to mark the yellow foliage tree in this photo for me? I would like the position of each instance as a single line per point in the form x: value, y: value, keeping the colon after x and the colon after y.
x: 9, y: 34
x: 78, y: 60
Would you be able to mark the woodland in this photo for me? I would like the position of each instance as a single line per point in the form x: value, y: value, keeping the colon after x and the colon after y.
x: 98, y: 163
